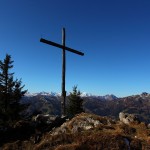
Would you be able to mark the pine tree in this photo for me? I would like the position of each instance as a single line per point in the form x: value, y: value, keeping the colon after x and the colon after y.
x: 11, y: 90
x: 75, y: 103
x: 5, y: 80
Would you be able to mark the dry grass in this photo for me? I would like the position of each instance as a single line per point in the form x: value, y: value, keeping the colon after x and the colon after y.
x: 18, y: 145
x: 103, y: 137
x: 72, y: 146
x: 88, y: 140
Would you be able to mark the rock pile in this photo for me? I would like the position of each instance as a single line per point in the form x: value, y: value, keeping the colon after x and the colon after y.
x: 81, y: 123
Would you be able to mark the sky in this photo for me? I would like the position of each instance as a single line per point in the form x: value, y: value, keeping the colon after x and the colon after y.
x: 114, y: 35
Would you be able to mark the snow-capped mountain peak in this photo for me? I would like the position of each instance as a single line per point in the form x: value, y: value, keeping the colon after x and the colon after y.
x: 43, y: 93
x: 83, y: 94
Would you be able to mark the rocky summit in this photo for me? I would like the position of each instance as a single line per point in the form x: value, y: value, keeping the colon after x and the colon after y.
x: 85, y: 131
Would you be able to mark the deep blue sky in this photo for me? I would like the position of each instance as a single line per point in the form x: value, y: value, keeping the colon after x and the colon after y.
x: 113, y: 34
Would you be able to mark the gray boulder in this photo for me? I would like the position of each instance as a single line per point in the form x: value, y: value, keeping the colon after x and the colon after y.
x: 46, y: 119
x: 128, y: 118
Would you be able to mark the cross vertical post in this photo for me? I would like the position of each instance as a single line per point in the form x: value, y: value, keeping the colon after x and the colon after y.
x: 63, y: 102
x: 64, y: 48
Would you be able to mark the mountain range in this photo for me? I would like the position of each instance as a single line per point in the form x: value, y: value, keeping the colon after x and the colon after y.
x: 108, y: 105
x: 84, y: 94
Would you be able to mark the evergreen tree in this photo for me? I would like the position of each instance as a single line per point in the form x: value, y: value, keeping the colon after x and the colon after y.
x: 75, y: 103
x: 11, y: 90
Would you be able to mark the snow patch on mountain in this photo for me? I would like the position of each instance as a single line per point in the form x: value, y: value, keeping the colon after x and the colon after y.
x: 42, y: 94
x: 105, y: 97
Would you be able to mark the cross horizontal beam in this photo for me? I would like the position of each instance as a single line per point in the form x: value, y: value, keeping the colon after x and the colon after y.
x: 61, y: 46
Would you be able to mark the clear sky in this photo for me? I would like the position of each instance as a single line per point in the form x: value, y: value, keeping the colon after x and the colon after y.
x: 113, y: 34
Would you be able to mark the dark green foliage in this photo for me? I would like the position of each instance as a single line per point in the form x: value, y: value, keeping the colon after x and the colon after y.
x: 11, y: 91
x: 75, y: 103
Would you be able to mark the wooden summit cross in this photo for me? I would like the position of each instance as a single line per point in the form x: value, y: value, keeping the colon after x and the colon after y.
x: 64, y: 48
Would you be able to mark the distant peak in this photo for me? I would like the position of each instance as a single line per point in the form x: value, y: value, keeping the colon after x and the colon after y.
x: 43, y: 93
x: 83, y: 94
